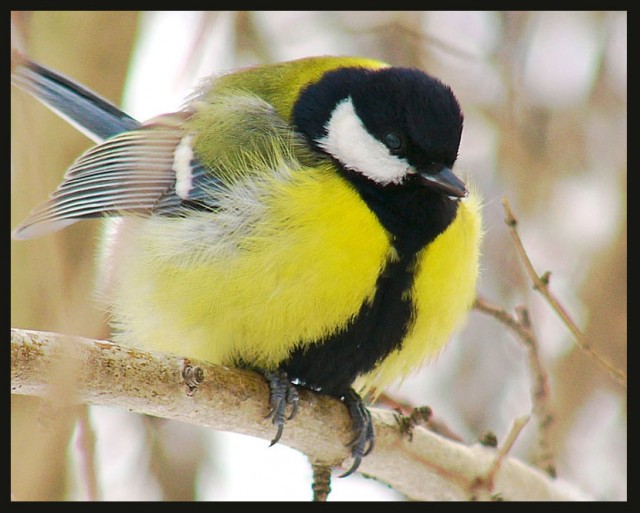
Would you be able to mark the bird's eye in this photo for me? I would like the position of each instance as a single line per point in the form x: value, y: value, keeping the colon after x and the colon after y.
x: 393, y: 141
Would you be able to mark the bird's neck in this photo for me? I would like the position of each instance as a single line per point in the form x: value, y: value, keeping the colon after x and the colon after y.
x: 412, y: 214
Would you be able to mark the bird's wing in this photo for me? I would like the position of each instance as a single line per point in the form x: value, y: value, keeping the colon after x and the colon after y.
x: 127, y: 174
x: 158, y: 169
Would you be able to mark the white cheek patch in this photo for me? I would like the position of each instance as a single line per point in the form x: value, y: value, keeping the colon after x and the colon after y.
x: 355, y: 148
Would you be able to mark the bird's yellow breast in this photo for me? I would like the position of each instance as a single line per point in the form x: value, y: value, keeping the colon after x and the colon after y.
x: 250, y: 284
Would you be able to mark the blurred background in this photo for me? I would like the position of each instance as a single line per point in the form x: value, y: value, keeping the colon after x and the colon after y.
x: 545, y: 102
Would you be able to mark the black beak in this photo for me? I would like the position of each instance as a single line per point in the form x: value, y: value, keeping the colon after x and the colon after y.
x: 441, y: 178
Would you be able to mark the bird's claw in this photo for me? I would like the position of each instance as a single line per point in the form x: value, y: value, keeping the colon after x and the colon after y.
x: 362, y: 443
x: 282, y: 393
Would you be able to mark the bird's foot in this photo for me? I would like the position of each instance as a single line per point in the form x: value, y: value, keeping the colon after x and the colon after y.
x: 282, y: 393
x: 362, y: 443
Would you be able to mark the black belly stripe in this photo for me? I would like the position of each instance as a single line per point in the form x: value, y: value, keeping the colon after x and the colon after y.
x: 332, y: 364
x: 413, y: 215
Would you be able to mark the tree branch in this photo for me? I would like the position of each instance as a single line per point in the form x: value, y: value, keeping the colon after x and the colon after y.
x: 425, y: 467
x: 541, y: 284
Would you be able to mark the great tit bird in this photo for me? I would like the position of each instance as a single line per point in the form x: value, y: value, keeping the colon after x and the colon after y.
x: 301, y: 219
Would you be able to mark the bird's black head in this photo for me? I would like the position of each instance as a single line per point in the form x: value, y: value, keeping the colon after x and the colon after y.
x: 390, y: 125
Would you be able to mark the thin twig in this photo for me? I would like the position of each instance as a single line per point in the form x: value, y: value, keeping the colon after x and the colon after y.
x: 541, y: 284
x: 505, y: 448
x: 484, y: 486
x: 540, y: 395
x: 406, y: 410
x: 321, y: 482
